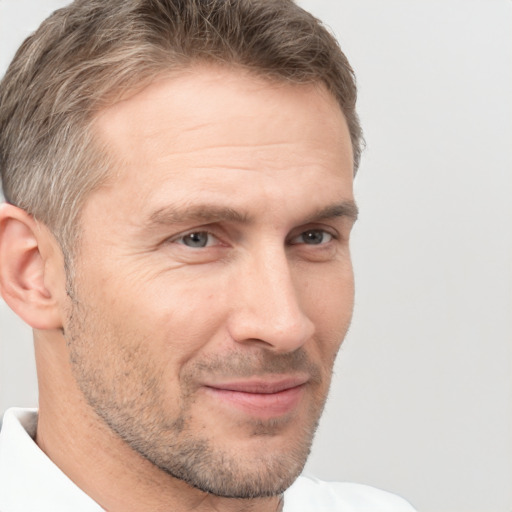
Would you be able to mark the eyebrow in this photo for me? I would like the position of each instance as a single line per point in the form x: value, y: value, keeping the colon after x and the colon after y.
x: 210, y: 214
x: 198, y: 213
x: 344, y: 209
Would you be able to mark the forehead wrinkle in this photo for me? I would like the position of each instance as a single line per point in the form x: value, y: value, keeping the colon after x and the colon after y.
x: 182, y: 147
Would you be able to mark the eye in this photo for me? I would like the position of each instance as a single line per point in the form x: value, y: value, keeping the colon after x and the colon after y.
x: 313, y: 237
x: 197, y: 239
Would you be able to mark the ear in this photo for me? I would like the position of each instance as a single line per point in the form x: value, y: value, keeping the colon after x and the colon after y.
x: 29, y: 261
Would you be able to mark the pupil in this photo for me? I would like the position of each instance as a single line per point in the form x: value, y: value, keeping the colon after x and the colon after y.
x: 314, y: 237
x: 196, y: 239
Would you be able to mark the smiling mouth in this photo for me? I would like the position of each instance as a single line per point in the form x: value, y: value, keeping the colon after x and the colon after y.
x: 262, y: 398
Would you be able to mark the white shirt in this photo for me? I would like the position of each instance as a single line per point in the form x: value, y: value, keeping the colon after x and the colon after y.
x: 30, y: 481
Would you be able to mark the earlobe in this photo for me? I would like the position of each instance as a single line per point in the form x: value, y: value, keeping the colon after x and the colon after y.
x: 23, y: 265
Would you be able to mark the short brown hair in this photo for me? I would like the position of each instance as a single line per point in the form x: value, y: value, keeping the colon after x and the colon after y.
x: 85, y: 56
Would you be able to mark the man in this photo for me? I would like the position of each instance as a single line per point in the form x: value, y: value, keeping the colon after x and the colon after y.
x: 178, y: 183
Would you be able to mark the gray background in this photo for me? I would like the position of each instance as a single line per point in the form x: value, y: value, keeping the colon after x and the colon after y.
x: 421, y: 400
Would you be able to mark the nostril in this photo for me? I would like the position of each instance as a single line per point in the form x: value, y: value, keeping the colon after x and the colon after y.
x: 279, y: 333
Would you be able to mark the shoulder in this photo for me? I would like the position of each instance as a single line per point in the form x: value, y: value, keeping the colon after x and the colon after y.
x: 308, y: 494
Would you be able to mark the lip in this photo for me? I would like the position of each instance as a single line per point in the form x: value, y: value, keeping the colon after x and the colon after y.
x: 264, y: 398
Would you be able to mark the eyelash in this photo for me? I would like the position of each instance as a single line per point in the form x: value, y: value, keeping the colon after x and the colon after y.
x: 182, y: 238
x: 323, y: 232
x: 312, y: 231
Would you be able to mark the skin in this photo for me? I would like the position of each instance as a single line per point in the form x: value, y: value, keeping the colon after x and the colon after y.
x: 213, y: 287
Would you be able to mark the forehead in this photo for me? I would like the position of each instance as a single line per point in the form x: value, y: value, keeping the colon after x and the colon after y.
x: 213, y: 98
x: 217, y: 126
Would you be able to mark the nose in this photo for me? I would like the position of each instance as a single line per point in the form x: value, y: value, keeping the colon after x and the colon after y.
x: 267, y: 308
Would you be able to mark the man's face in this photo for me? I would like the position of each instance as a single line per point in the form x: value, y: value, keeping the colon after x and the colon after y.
x: 213, y: 282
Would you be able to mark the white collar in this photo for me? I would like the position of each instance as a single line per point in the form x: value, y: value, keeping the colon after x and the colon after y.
x: 29, y: 479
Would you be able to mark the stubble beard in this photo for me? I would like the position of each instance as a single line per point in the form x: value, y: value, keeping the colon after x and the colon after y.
x: 125, y: 389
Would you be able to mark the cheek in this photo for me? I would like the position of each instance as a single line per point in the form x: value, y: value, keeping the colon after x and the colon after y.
x: 176, y: 318
x: 328, y: 294
x: 169, y: 316
x: 328, y: 301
